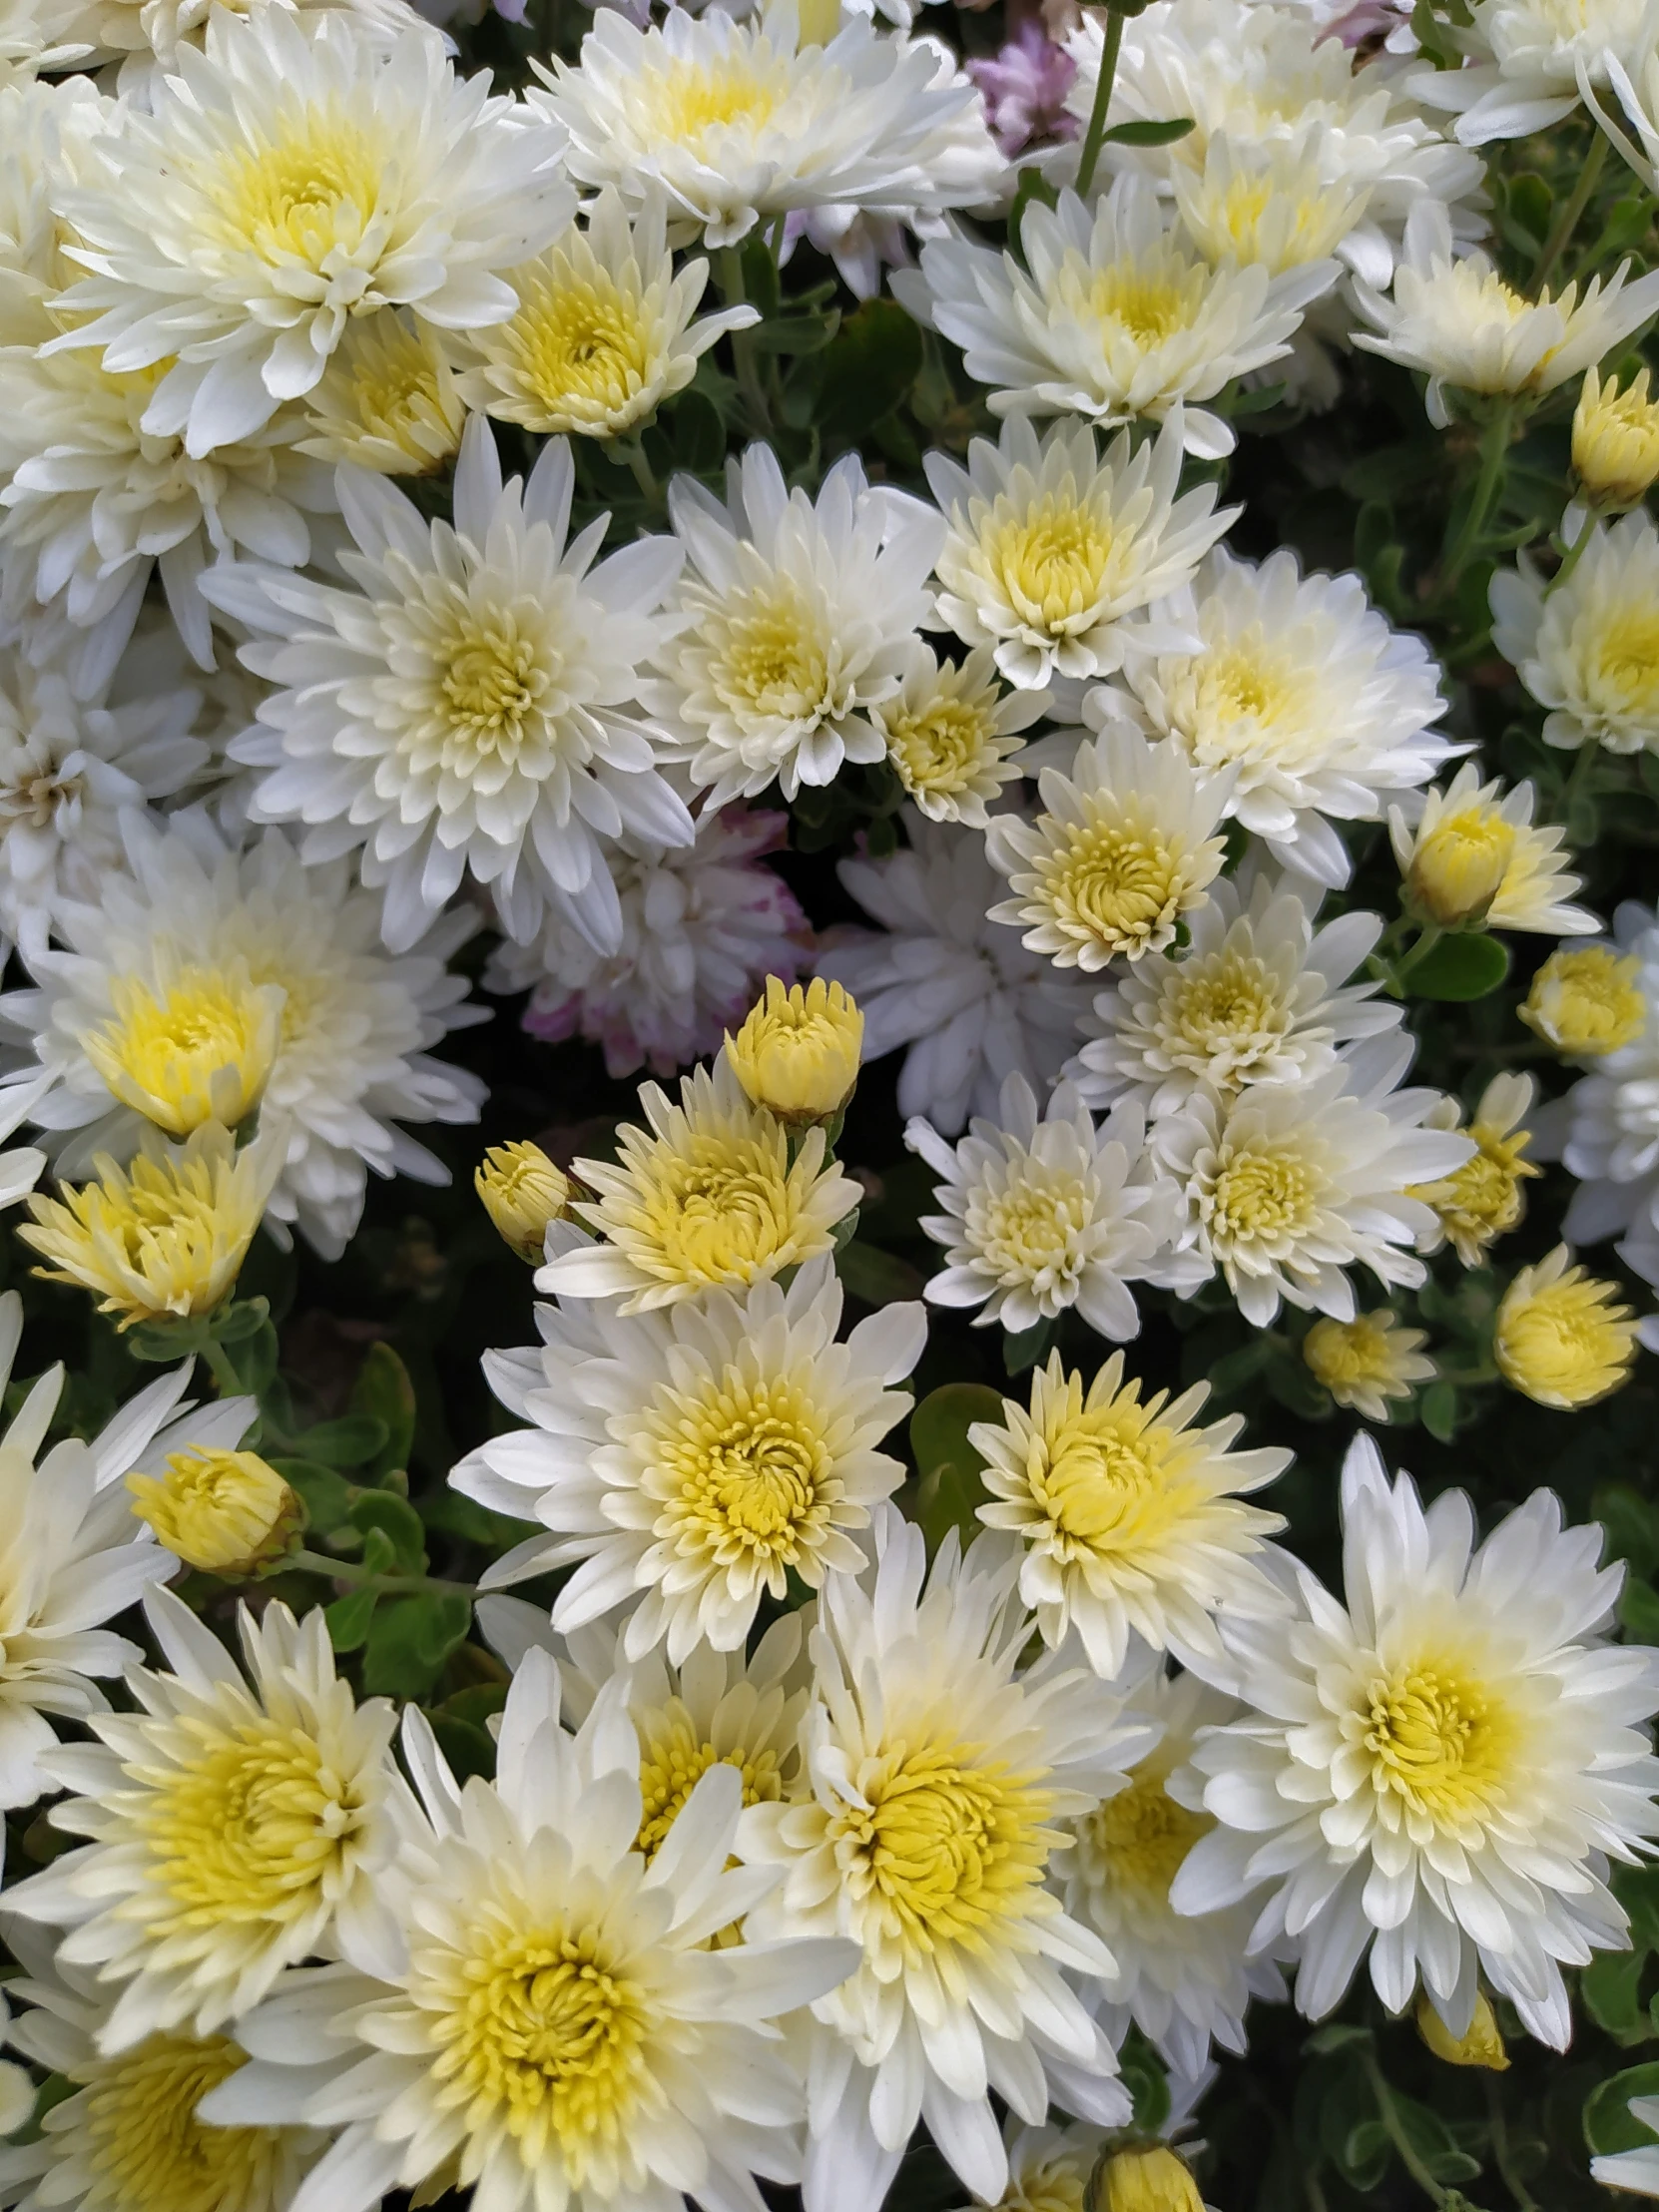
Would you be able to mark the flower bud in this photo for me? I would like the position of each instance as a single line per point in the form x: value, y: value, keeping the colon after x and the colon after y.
x: 1458, y: 866
x: 1586, y: 1001
x: 226, y: 1512
x: 522, y: 1192
x: 1615, y: 441
x: 1562, y: 1338
x: 1481, y: 2044
x: 798, y: 1053
x: 1147, y: 2177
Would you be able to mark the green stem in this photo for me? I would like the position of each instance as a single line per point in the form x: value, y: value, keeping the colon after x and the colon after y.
x: 1388, y: 2113
x: 1430, y: 938
x: 1567, y: 222
x: 1094, y: 138
x: 1468, y: 1379
x: 1525, y: 2201
x: 350, y: 1571
x: 1574, y: 554
x: 1495, y: 451
x: 221, y: 1365
x: 1581, y: 782
x: 729, y: 262
x: 632, y: 450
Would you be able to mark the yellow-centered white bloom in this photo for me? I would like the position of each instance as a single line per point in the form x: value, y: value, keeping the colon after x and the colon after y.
x: 1586, y: 1001
x: 1258, y: 996
x: 389, y: 399
x: 707, y: 1198
x: 1485, y: 1198
x: 1530, y: 61
x: 554, y: 2026
x: 1283, y: 206
x: 738, y: 123
x: 1611, y: 1141
x: 952, y: 733
x: 1044, y: 1212
x: 1590, y: 652
x: 1112, y: 315
x: 225, y: 1513
x: 199, y: 1048
x: 1457, y: 321
x: 236, y: 1824
x: 1123, y: 848
x: 693, y: 1460
x: 1475, y: 857
x: 522, y: 1192
x: 1615, y: 441
x: 1462, y: 1715
x: 1298, y: 685
x: 603, y: 332
x: 1563, y: 1338
x: 301, y: 170
x: 1368, y: 1362
x: 1048, y: 2166
x: 797, y: 620
x: 1050, y: 545
x: 1128, y: 1516
x: 923, y: 1732
x: 797, y: 1053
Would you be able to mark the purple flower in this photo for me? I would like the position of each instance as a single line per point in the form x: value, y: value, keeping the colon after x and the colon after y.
x: 1025, y: 88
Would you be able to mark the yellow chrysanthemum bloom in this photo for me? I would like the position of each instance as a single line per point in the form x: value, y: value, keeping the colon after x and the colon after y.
x: 1481, y: 2044
x: 1615, y: 441
x: 166, y: 1238
x: 1483, y: 1200
x: 1366, y: 1361
x: 1148, y: 2178
x: 522, y: 1190
x: 200, y: 1049
x: 225, y: 1512
x: 1585, y: 1002
x: 797, y: 1053
x: 1563, y: 1338
x: 388, y: 400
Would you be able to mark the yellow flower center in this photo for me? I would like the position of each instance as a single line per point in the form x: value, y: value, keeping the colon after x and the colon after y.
x: 1246, y: 700
x: 743, y: 1472
x: 1051, y: 561
x: 1106, y: 1480
x: 1482, y: 1200
x: 1117, y: 884
x: 1619, y: 650
x: 1348, y: 1355
x: 202, y: 1051
x: 1586, y: 1000
x: 1136, y: 1841
x: 218, y: 1510
x: 494, y: 676
x: 1459, y: 865
x: 1265, y: 1196
x: 771, y: 658
x: 1229, y: 1006
x: 305, y: 195
x: 674, y: 1758
x: 138, y: 2131
x: 1436, y: 1742
x: 580, y: 343
x: 1148, y: 299
x: 940, y: 747
x: 685, y: 103
x: 385, y: 387
x: 1056, y: 2185
x: 721, y: 1212
x: 1033, y: 1223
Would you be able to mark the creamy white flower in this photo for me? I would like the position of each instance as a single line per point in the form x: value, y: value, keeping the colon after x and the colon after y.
x: 1442, y: 1770
x: 1606, y: 1129
x: 952, y: 733
x: 1285, y: 207
x: 603, y: 330
x: 463, y: 712
x: 960, y: 990
x: 1290, y: 1185
x: 388, y: 399
x: 1043, y: 1214
x: 555, y: 2027
x: 1477, y: 851
x: 703, y: 927
x: 1184, y: 1980
x: 1301, y: 689
x: 1640, y: 101
x: 145, y: 36
x: 1590, y: 651
x: 295, y: 172
x: 1050, y: 545
x: 34, y: 35
x: 1456, y: 321
x: 233, y: 1828
x: 737, y: 123
x: 699, y: 1455
x: 1259, y: 995
x: 1530, y: 60
x: 47, y: 130
x: 797, y: 617
x: 923, y: 1725
x: 1117, y: 318
x: 355, y: 1023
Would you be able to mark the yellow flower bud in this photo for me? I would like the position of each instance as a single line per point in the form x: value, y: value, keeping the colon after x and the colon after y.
x: 798, y: 1053
x: 226, y: 1512
x: 522, y: 1192
x: 1147, y: 2178
x: 1459, y: 867
x: 1585, y: 1002
x: 1615, y: 440
x: 1481, y: 2044
x: 200, y: 1049
x: 1563, y: 1338
x: 1366, y: 1361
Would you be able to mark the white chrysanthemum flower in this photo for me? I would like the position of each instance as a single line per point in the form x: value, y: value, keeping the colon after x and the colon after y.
x: 353, y: 1059
x: 35, y: 35
x: 1288, y: 1184
x: 963, y: 993
x: 1440, y: 1771
x: 738, y: 123
x: 1182, y: 1980
x: 796, y: 619
x: 1610, y: 1138
x: 703, y: 927
x: 1301, y: 690
x: 1640, y: 103
x: 1476, y: 853
x: 71, y: 770
x: 1124, y: 850
x: 126, y: 2132
x: 1455, y: 319
x: 1117, y: 318
x: 555, y: 2027
x: 462, y: 713
x: 388, y: 400
x: 299, y: 171
x: 1285, y: 207
x: 603, y: 330
x: 923, y: 1731
x: 1530, y: 59
x: 952, y: 733
x: 1259, y: 995
x: 145, y: 36
x: 1368, y: 1362
x: 1050, y: 545
x: 47, y: 130
x: 693, y: 1459
x: 1590, y: 652
x: 1128, y: 1516
x: 1044, y: 1214
x: 234, y: 1828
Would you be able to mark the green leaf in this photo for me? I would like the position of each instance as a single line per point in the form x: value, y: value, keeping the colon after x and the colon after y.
x: 349, y: 1619
x: 872, y: 362
x: 1147, y: 2081
x: 468, y: 1748
x: 1438, y: 1411
x: 384, y: 1514
x: 1609, y: 2125
x: 948, y: 1491
x: 1023, y: 1348
x: 1431, y: 2141
x: 1639, y: 1611
x: 1034, y: 184
x: 1324, y: 2040
x: 1149, y: 132
x: 326, y: 1495
x: 1611, y: 1988
x: 697, y: 433
x: 1459, y: 968
x: 1631, y: 1522
x: 384, y: 1392
x: 409, y: 1640
x: 346, y: 1442
x: 875, y: 1275
x: 1365, y: 2155
x: 238, y: 1323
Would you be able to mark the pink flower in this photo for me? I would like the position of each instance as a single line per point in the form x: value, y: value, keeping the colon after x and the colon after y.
x: 1025, y: 88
